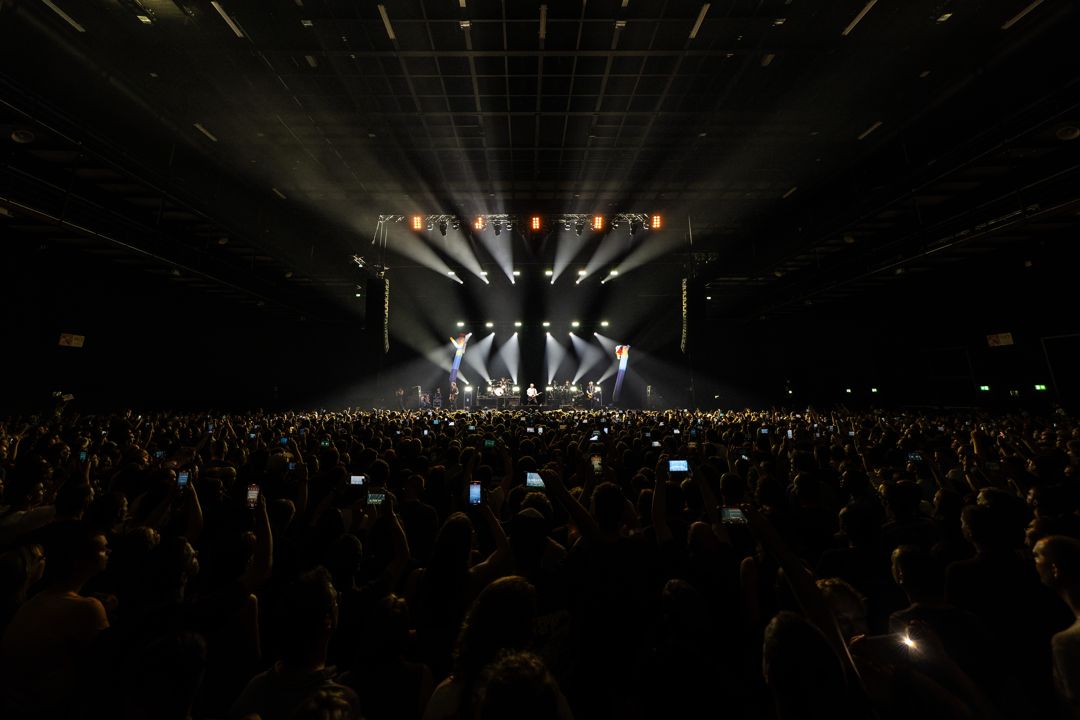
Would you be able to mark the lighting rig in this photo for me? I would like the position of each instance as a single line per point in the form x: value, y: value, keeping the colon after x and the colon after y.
x: 536, y: 224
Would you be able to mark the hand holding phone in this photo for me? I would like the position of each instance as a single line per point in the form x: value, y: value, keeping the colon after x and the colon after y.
x: 533, y: 480
x: 252, y: 496
x: 475, y: 495
x: 376, y: 496
x: 678, y: 466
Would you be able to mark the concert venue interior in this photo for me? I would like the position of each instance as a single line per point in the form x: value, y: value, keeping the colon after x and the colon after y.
x: 539, y: 359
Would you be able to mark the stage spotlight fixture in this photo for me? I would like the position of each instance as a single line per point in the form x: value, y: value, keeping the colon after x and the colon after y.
x: 549, y: 273
x: 549, y: 388
x: 547, y: 324
x: 635, y: 225
x: 598, y: 222
x: 847, y: 390
x: 489, y: 324
x: 451, y: 273
x: 468, y: 388
x: 484, y: 273
x: 455, y: 224
x: 497, y: 227
x: 479, y: 224
x: 579, y: 227
x: 516, y: 273
x: 655, y: 222
x: 604, y: 323
x: 430, y: 226
x: 417, y: 222
x: 442, y: 227
x: 582, y: 272
x: 575, y: 324
x: 460, y: 324
x: 573, y: 388
x: 517, y: 323
x: 534, y: 223
x: 873, y: 390
x: 517, y: 388
x: 566, y: 226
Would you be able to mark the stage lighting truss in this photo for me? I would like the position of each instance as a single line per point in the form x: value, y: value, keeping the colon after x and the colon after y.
x: 497, y: 222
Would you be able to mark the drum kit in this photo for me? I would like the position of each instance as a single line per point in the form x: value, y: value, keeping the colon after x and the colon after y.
x: 502, y: 393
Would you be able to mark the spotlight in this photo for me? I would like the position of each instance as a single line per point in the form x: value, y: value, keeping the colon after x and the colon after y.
x: 549, y: 388
x: 534, y: 223
x: 517, y: 273
x: 847, y: 390
x: 566, y: 226
x: 573, y: 388
x: 635, y: 225
x: 581, y: 272
x: 604, y: 323
x: 598, y: 222
x: 547, y: 324
x: 517, y: 388
x: 549, y: 273
x: 873, y: 390
x: 489, y: 324
x: 479, y: 224
x: 418, y: 223
x: 442, y: 227
x: 430, y: 226
x: 460, y: 324
x: 655, y: 222
x: 613, y: 273
x: 484, y: 273
x: 451, y: 273
x: 517, y: 323
x: 468, y: 388
x: 579, y: 227
x: 575, y: 324
x: 497, y: 227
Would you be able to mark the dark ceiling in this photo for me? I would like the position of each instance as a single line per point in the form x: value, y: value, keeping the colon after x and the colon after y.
x: 247, y: 152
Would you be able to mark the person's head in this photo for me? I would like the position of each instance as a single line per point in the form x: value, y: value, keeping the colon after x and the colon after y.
x: 847, y: 604
x: 917, y: 573
x: 1057, y: 560
x: 801, y: 670
x: 608, y: 505
x: 306, y: 618
x: 76, y: 553
x: 20, y: 568
x: 165, y: 677
x: 858, y: 525
x: 517, y: 686
x: 987, y: 528
x: 501, y: 618
x: 170, y: 566
x: 73, y: 500
x: 902, y: 499
x: 453, y: 545
x: 327, y: 704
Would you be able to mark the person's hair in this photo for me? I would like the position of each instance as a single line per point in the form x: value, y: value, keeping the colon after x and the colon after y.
x: 326, y: 704
x: 306, y: 605
x: 858, y: 524
x: 517, y: 686
x: 501, y: 618
x: 165, y: 676
x: 107, y: 511
x: 801, y: 669
x: 847, y: 604
x: 902, y: 499
x: 453, y: 546
x: 16, y: 567
x: 987, y: 527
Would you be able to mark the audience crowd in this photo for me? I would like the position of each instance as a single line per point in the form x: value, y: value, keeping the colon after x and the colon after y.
x: 550, y: 565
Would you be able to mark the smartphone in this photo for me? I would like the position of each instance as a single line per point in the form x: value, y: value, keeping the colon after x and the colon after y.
x: 763, y: 431
x: 693, y: 433
x: 533, y: 480
x: 435, y: 421
x: 530, y: 430
x: 357, y: 479
x: 539, y: 431
x: 159, y: 454
x: 209, y: 427
x: 182, y: 478
x: 789, y: 434
x: 648, y: 435
x: 474, y: 493
x: 471, y: 428
x: 82, y: 456
x: 425, y: 432
x: 292, y: 466
x: 676, y: 431
x: 679, y: 466
x: 595, y: 437
x: 732, y: 516
x: 745, y: 457
x: 252, y: 496
x: 656, y: 443
x: 251, y: 436
x: 605, y: 431
x: 325, y: 442
x: 376, y: 497
x: 941, y: 428
x: 284, y: 440
x: 915, y: 457
x: 489, y: 443
x: 450, y: 424
x: 851, y: 433
x: 597, y: 464
x: 397, y: 432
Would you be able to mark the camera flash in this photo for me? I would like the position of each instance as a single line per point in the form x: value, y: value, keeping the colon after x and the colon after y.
x: 909, y: 642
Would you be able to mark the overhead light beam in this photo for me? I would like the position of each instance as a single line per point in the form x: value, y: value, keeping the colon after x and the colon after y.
x: 64, y: 16
x: 859, y: 17
x: 386, y: 22
x: 700, y: 19
x: 224, y: 16
x: 1021, y: 15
